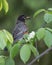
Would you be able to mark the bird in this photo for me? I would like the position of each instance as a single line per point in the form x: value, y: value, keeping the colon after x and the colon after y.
x: 20, y: 28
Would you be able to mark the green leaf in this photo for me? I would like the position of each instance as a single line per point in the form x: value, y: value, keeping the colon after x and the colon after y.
x: 50, y: 9
x: 38, y: 12
x: 9, y: 46
x: 25, y: 36
x: 49, y: 29
x: 16, y: 49
x: 3, y: 40
x: 5, y: 6
x: 34, y: 50
x: 25, y: 53
x: 40, y: 33
x: 9, y: 36
x: 48, y: 17
x: 10, y: 61
x: 0, y: 5
x: 2, y: 60
x: 48, y: 38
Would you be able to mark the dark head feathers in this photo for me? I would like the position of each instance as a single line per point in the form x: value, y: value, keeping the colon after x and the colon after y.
x: 22, y: 18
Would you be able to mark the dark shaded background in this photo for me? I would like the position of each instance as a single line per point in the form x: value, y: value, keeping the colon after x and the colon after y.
x: 27, y: 7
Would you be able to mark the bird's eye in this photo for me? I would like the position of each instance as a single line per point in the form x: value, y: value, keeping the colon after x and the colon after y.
x: 23, y: 17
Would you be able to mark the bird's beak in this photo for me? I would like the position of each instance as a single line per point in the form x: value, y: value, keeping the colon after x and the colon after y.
x: 27, y: 17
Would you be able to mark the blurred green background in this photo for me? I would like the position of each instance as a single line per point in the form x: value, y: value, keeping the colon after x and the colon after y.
x: 26, y: 7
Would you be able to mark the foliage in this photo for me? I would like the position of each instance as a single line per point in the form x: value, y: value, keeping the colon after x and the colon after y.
x: 5, y: 39
x: 25, y: 46
x: 40, y: 33
x: 9, y: 61
x: 15, y: 48
x: 4, y: 5
x: 2, y: 60
x: 25, y: 53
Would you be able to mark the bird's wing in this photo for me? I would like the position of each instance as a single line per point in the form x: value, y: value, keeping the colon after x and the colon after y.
x: 22, y: 27
x: 19, y: 29
x: 15, y: 31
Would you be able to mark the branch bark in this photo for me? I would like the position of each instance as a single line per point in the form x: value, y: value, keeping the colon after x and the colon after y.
x: 42, y: 54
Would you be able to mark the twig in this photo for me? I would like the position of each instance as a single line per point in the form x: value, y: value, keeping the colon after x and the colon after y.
x: 42, y: 54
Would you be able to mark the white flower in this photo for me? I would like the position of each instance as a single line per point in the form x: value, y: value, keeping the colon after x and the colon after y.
x: 30, y: 36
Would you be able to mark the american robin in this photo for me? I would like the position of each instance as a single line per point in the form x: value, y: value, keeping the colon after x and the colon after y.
x: 20, y: 28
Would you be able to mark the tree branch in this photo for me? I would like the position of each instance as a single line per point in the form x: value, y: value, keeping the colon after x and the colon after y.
x: 42, y: 54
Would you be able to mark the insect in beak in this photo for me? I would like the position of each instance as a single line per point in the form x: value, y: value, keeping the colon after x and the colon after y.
x: 27, y: 17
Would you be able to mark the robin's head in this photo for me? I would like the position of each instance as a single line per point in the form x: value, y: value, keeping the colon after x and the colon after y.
x: 23, y: 18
